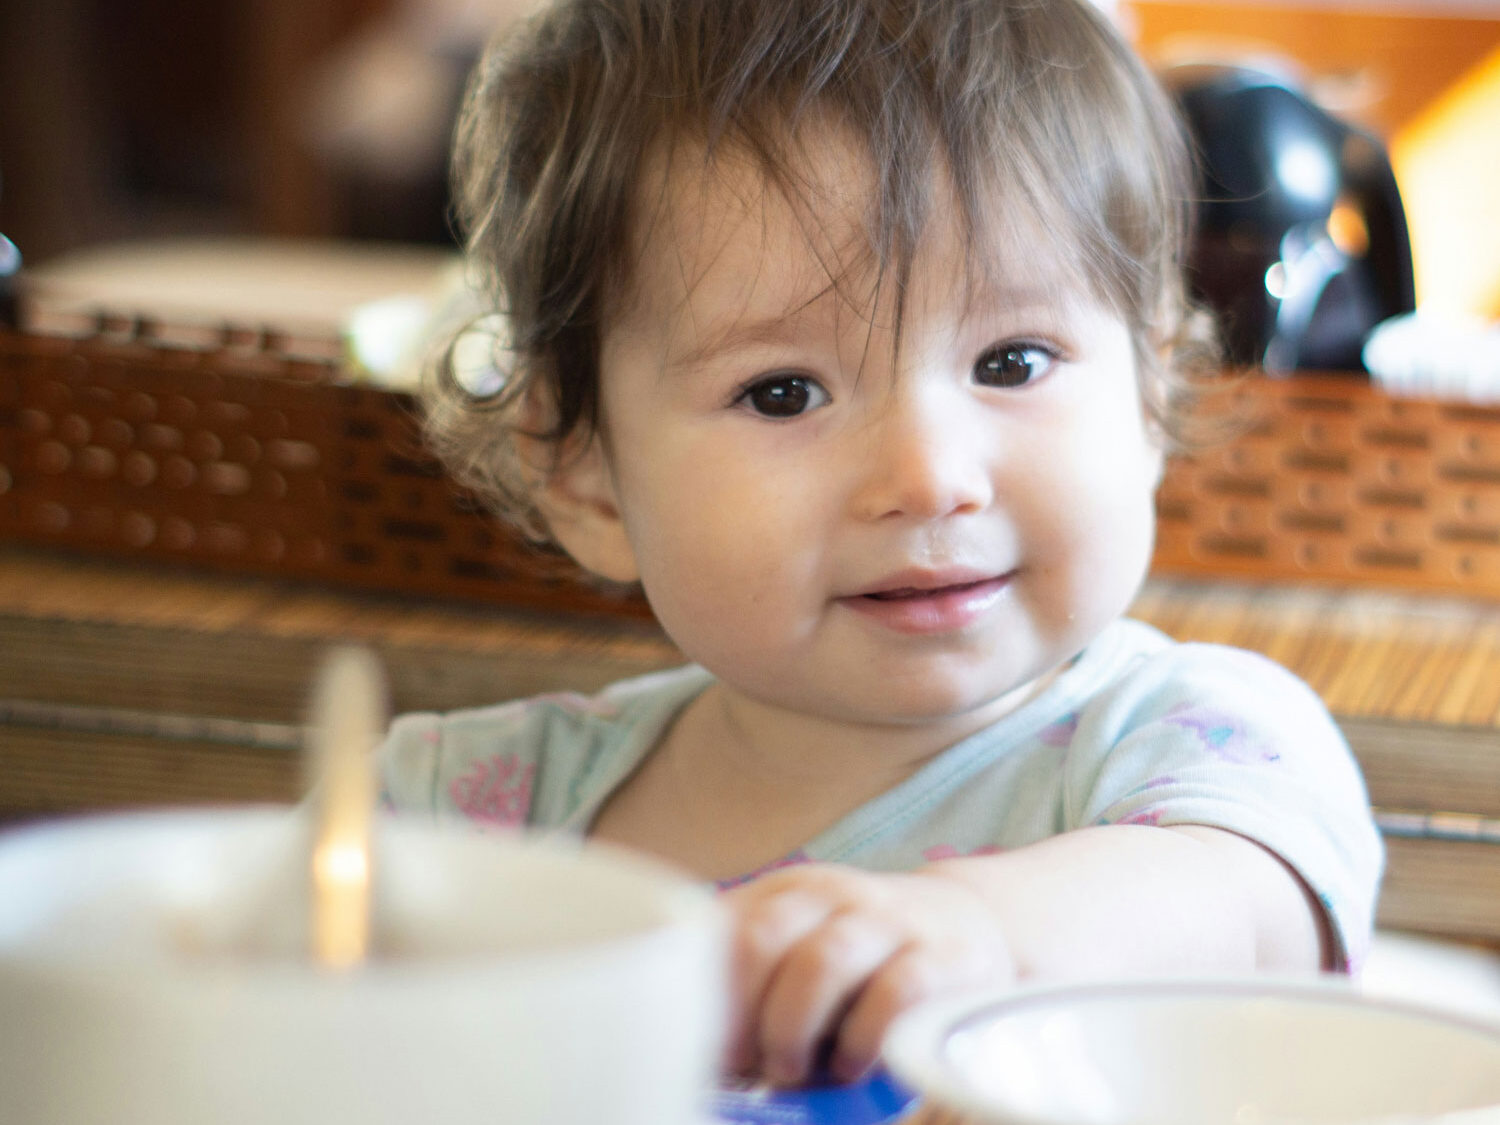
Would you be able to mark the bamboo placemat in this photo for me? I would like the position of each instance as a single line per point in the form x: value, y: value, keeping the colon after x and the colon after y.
x: 1370, y: 655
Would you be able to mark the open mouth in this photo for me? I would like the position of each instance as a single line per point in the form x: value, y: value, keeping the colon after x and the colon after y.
x: 948, y: 608
x: 908, y: 593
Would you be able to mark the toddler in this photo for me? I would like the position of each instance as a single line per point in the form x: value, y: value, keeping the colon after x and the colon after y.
x: 854, y: 332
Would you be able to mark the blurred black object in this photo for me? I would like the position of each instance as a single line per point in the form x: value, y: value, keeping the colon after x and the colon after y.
x: 1302, y: 245
x: 10, y: 266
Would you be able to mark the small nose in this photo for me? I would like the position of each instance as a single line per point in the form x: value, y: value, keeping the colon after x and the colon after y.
x: 923, y: 460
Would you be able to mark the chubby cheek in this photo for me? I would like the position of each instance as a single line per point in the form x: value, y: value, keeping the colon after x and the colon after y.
x: 1091, y: 529
x: 721, y: 552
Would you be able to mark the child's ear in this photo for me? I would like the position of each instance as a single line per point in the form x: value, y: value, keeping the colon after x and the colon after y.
x: 577, y: 498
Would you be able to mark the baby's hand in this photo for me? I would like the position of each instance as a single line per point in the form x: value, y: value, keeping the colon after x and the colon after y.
x: 825, y: 954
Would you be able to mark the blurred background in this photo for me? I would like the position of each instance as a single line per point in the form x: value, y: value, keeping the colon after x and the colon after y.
x: 126, y: 120
x: 149, y: 118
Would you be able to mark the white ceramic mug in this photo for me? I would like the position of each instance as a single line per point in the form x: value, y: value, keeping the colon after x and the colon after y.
x: 152, y: 973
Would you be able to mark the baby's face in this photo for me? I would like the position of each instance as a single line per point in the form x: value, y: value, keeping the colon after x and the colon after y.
x: 848, y: 529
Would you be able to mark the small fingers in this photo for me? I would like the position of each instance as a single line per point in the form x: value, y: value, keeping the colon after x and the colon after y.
x: 913, y: 974
x: 816, y: 983
x: 827, y: 954
x: 765, y: 928
x: 906, y: 979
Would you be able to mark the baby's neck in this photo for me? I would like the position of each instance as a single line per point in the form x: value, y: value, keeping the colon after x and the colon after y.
x: 736, y: 785
x: 789, y: 752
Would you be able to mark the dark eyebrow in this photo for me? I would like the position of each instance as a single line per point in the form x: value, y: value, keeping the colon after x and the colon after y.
x: 738, y: 334
x: 743, y: 332
x: 1021, y: 298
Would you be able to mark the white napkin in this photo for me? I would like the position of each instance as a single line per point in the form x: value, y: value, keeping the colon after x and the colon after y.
x: 1442, y: 357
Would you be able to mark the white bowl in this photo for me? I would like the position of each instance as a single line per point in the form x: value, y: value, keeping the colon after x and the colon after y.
x: 152, y: 973
x: 1239, y: 1052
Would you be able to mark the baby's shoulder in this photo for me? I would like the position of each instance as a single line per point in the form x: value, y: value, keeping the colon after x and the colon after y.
x: 1149, y: 674
x: 427, y: 757
x: 546, y: 717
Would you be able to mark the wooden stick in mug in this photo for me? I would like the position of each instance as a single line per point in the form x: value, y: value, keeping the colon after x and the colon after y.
x: 348, y: 717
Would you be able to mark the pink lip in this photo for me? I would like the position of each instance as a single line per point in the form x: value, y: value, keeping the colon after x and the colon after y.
x: 929, y: 602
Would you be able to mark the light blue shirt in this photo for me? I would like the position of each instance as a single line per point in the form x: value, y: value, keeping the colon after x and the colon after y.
x: 1137, y: 730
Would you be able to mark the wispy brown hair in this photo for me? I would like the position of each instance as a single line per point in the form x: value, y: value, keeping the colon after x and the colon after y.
x: 1038, y: 103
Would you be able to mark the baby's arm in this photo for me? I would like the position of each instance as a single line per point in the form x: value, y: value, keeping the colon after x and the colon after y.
x: 1122, y: 899
x: 827, y: 953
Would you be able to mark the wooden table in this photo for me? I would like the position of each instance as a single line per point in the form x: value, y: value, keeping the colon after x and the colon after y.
x: 128, y: 685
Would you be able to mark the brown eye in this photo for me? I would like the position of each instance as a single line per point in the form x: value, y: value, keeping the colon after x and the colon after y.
x: 1012, y: 365
x: 784, y: 396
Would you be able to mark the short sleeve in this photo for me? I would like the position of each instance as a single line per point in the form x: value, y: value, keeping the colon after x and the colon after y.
x: 543, y: 762
x: 1210, y: 735
x: 407, y: 761
x: 480, y: 766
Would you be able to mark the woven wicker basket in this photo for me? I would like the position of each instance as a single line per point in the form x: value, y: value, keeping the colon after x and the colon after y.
x: 1337, y: 481
x: 236, y: 457
x: 244, y: 460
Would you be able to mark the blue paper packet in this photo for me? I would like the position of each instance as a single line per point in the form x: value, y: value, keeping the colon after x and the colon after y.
x: 878, y: 1100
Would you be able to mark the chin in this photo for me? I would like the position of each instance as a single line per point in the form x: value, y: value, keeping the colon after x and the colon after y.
x: 936, y: 703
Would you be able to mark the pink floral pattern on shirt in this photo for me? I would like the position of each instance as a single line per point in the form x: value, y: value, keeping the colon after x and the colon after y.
x: 495, y: 791
x: 1220, y: 734
x: 1150, y: 817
